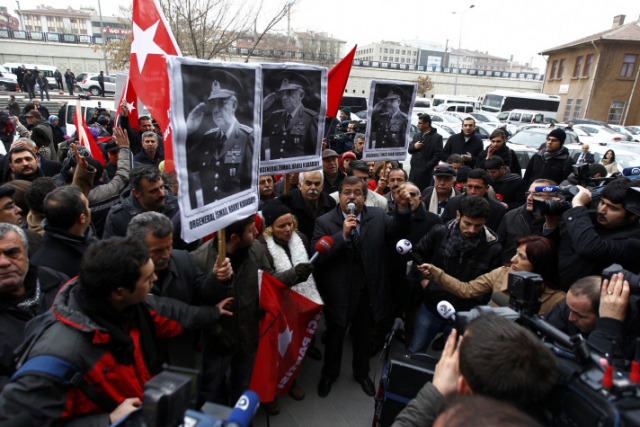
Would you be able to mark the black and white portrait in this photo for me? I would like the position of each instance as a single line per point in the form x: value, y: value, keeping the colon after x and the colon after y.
x: 389, y: 112
x: 216, y: 123
x: 293, y: 112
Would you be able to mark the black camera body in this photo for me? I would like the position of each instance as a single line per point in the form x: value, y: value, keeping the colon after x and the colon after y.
x: 579, y: 398
x: 633, y: 279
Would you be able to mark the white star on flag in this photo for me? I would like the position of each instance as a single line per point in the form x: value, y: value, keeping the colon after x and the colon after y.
x: 131, y: 106
x: 143, y: 45
x: 284, y: 339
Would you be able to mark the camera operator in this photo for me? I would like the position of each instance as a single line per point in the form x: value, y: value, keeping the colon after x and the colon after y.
x: 344, y: 139
x: 596, y: 170
x: 496, y: 358
x: 587, y: 245
x: 604, y: 315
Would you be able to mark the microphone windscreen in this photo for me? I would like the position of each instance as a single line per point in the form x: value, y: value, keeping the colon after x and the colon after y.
x: 404, y: 246
x: 245, y: 409
x: 324, y: 245
x: 631, y: 171
x: 446, y: 309
x: 500, y: 299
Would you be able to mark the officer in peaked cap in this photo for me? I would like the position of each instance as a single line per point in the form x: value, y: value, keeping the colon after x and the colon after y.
x: 389, y: 123
x: 219, y: 158
x: 293, y: 130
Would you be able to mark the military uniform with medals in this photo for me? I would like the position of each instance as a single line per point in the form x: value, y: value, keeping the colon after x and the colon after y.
x: 391, y: 130
x: 293, y: 136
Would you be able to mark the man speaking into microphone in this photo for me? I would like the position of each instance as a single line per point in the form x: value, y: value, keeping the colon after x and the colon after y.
x: 352, y: 276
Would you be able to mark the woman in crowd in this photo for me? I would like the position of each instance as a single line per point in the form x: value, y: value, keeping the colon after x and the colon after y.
x: 535, y: 254
x: 379, y: 183
x: 609, y: 162
x: 285, y: 248
x: 346, y: 159
x: 58, y: 131
x: 499, y: 147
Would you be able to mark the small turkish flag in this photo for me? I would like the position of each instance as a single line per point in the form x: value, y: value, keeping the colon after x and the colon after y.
x: 129, y: 95
x: 85, y: 138
x: 286, y: 330
x: 337, y: 81
x: 151, y: 41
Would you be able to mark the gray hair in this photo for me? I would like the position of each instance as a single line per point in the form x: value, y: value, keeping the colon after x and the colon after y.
x: 149, y: 133
x: 27, y: 141
x: 301, y: 175
x: 157, y: 224
x: 359, y: 136
x: 5, y: 228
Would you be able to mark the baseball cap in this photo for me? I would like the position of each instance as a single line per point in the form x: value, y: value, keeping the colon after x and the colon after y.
x: 329, y: 153
x: 444, y: 170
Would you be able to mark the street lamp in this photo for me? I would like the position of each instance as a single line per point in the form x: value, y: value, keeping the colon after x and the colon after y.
x: 455, y: 87
x: 104, y: 47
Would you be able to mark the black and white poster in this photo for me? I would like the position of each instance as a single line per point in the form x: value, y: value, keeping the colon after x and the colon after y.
x: 293, y: 110
x: 215, y: 118
x: 389, y: 120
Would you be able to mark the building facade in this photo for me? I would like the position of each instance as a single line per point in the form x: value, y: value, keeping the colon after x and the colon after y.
x: 596, y: 77
x: 46, y: 19
x: 8, y: 21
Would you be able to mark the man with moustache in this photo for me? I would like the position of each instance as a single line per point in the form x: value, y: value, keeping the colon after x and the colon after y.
x: 265, y: 189
x: 425, y: 152
x: 309, y: 201
x: 397, y: 177
x: 436, y: 198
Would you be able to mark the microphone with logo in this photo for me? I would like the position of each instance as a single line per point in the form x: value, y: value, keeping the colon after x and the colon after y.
x: 404, y: 247
x: 322, y: 247
x: 447, y: 311
x: 352, y: 211
x: 245, y: 409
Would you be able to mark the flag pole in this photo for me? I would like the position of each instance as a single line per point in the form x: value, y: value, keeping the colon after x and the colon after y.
x: 222, y: 248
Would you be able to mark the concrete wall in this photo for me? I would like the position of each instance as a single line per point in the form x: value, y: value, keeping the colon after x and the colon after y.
x: 61, y: 55
x: 360, y: 80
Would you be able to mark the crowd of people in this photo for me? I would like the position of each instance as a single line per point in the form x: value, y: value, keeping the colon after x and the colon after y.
x: 95, y: 277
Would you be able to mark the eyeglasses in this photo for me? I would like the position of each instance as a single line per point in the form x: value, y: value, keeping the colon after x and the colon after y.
x: 412, y: 194
x: 356, y: 193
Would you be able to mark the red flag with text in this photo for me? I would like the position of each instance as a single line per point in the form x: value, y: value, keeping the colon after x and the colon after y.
x: 85, y: 138
x: 285, y: 335
x: 129, y: 95
x: 151, y: 41
x: 337, y: 81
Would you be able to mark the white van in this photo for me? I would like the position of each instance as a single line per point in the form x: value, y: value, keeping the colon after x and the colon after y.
x: 521, y: 117
x: 46, y: 70
x: 457, y: 108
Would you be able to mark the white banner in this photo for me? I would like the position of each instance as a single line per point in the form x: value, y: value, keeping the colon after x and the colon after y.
x: 389, y: 120
x: 215, y: 117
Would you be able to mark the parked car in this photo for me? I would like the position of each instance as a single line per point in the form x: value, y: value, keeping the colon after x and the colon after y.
x: 622, y: 130
x: 445, y: 119
x: 90, y: 84
x: 485, y: 117
x: 624, y: 158
x: 8, y: 84
x: 356, y: 103
x: 635, y: 129
x: 536, y: 137
x: 604, y: 132
x: 584, y: 136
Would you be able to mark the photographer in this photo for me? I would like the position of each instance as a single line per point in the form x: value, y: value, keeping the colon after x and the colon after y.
x: 604, y: 315
x: 343, y: 140
x: 587, y: 245
x: 496, y: 358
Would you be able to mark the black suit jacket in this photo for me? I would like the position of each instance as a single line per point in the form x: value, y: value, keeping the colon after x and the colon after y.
x: 588, y: 157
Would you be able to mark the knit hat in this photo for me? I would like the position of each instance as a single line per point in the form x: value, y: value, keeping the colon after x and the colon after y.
x: 349, y: 155
x: 71, y: 157
x: 273, y: 210
x: 346, y: 110
x: 558, y: 133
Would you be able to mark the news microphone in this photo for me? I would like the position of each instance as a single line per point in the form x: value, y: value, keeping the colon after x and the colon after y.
x: 404, y: 247
x: 397, y: 325
x: 245, y: 409
x: 500, y: 299
x: 546, y: 189
x: 447, y: 311
x: 352, y: 211
x: 631, y: 171
x: 322, y: 247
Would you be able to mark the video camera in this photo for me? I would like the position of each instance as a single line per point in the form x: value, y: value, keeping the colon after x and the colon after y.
x: 587, y: 393
x: 633, y: 279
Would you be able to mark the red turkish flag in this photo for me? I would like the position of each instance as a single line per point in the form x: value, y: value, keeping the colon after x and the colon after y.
x: 129, y: 95
x: 85, y: 138
x: 337, y: 81
x: 285, y: 335
x: 151, y: 41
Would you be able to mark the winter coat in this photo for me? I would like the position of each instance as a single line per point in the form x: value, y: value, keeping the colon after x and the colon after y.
x: 425, y: 159
x: 496, y: 212
x: 556, y: 168
x: 457, y: 145
x: 306, y: 222
x: 62, y: 251
x: 509, y: 157
x: 515, y: 225
x: 511, y: 188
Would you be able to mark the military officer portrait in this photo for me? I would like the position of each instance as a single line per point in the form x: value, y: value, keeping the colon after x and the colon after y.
x: 219, y: 148
x: 388, y: 120
x: 290, y: 114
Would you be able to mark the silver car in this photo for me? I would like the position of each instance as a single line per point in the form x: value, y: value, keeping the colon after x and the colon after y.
x: 90, y: 84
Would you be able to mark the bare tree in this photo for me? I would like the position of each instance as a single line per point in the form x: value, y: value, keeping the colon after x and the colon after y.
x: 424, y: 84
x: 284, y: 11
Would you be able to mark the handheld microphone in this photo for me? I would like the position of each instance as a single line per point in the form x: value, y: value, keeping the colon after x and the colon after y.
x: 322, y: 247
x: 631, y: 171
x: 352, y: 211
x: 547, y: 189
x: 398, y: 324
x: 447, y: 311
x: 404, y: 247
x: 245, y: 409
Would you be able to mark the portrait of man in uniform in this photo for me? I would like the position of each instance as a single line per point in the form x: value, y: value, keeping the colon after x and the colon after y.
x: 290, y: 114
x: 389, y: 121
x: 219, y: 149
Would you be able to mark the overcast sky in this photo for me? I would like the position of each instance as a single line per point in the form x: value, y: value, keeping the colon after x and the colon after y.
x: 502, y: 28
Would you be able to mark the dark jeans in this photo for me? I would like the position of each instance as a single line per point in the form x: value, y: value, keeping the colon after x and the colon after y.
x: 31, y: 89
x: 214, y: 370
x: 70, y: 87
x: 362, y: 330
x: 101, y: 89
x: 44, y: 89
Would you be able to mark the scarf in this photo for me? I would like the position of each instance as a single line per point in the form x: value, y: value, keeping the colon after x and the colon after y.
x: 299, y: 255
x: 433, y: 202
x: 605, y: 161
x: 456, y: 246
x: 121, y: 344
x: 551, y: 154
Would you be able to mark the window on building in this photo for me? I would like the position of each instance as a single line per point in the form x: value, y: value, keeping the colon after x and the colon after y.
x: 397, y: 51
x: 628, y: 64
x: 396, y: 59
x: 404, y: 52
x: 563, y: 62
x: 402, y: 60
x: 386, y: 50
x: 615, y: 112
x: 554, y: 69
x: 587, y: 66
x: 576, y: 69
x: 578, y: 109
x: 384, y: 58
x: 567, y: 110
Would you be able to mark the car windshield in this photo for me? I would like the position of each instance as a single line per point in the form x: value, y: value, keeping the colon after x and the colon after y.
x: 421, y: 104
x: 531, y: 139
